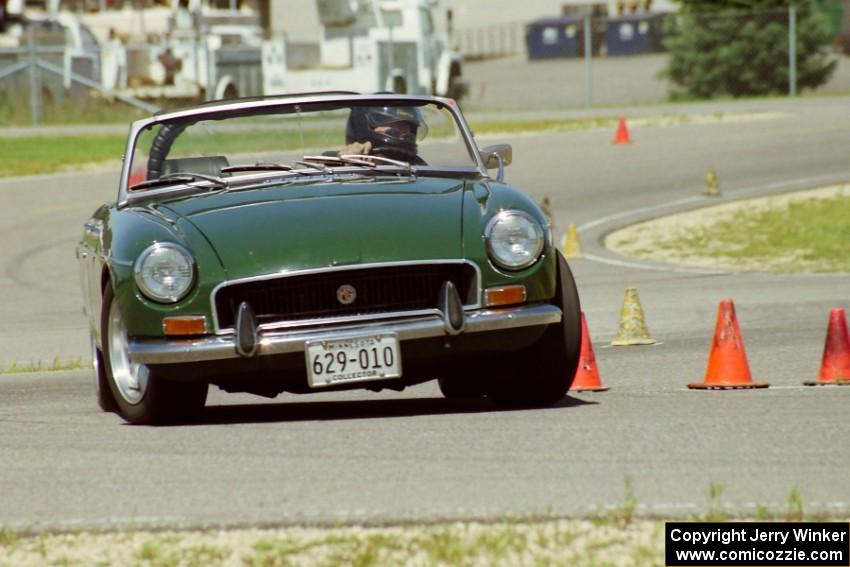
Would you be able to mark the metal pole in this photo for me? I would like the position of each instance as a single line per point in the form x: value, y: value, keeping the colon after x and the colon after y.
x: 35, y: 80
x: 588, y: 49
x: 212, y: 70
x: 792, y: 51
x: 391, y: 58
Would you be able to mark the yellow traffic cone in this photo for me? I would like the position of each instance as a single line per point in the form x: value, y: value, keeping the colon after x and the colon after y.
x: 632, y: 329
x: 546, y: 207
x: 712, y: 185
x: 570, y: 247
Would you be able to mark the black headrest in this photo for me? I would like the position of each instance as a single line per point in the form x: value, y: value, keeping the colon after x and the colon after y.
x: 208, y: 165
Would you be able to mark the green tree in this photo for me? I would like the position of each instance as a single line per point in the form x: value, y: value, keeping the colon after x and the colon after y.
x: 723, y: 48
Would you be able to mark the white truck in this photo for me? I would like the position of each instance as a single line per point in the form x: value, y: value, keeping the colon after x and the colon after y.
x: 369, y: 46
x: 193, y: 51
x: 196, y: 49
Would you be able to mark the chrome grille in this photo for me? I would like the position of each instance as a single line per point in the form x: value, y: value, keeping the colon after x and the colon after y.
x: 309, y: 296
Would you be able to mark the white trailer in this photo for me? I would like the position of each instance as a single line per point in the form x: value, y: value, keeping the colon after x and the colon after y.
x: 201, y: 52
x: 369, y: 46
x: 363, y: 45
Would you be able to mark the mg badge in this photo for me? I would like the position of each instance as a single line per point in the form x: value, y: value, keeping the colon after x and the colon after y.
x: 346, y: 294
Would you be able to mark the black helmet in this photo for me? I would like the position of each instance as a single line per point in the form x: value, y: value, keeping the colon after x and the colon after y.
x: 394, y: 143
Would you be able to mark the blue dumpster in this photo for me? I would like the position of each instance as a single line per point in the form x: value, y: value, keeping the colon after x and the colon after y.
x: 634, y: 34
x: 555, y: 37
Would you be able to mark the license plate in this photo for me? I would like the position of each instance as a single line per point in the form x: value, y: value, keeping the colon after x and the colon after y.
x: 354, y: 359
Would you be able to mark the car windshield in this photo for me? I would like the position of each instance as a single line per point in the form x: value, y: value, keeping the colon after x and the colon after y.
x: 366, y: 136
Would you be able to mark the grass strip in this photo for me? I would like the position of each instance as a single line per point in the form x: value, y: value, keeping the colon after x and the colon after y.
x: 34, y: 155
x: 806, y: 232
x: 43, y: 155
x: 568, y: 542
x: 40, y: 155
x: 55, y: 365
x: 615, y: 536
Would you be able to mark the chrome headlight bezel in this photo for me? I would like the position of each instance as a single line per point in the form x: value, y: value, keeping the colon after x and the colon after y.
x: 508, y: 264
x: 144, y: 286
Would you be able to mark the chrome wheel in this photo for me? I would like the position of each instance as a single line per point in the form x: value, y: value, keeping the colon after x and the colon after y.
x: 139, y: 394
x: 103, y: 393
x: 130, y: 378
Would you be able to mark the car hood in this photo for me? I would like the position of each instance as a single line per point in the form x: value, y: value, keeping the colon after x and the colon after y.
x: 261, y: 231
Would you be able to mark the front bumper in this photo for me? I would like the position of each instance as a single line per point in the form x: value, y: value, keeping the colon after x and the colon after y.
x: 223, y: 347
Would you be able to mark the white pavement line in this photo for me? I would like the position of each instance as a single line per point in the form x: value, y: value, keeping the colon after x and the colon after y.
x: 658, y: 268
x: 57, y: 176
x: 632, y: 212
x: 771, y: 387
x: 742, y: 192
x: 831, y: 178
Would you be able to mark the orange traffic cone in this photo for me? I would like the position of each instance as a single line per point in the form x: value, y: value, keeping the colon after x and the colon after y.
x: 622, y: 136
x: 835, y: 365
x: 727, y: 362
x: 587, y: 375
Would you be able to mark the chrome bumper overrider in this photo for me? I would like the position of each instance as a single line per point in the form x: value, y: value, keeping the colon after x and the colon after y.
x: 168, y: 351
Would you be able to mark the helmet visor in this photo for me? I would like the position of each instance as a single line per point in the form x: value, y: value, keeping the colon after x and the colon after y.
x: 398, y: 122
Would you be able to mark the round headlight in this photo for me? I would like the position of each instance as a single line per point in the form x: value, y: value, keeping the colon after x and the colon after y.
x: 514, y: 239
x: 165, y: 272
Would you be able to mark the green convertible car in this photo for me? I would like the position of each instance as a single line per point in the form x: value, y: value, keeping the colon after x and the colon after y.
x: 321, y: 242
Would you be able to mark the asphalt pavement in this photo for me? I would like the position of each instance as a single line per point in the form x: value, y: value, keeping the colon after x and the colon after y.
x: 364, y: 457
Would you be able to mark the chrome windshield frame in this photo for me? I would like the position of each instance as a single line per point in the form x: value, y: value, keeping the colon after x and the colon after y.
x: 221, y: 109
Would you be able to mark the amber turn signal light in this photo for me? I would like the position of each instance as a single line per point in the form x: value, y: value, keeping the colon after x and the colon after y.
x: 508, y: 295
x: 185, y: 325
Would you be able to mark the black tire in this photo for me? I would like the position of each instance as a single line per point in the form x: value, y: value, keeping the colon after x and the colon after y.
x: 142, y: 397
x: 542, y: 374
x: 103, y: 392
x: 461, y: 387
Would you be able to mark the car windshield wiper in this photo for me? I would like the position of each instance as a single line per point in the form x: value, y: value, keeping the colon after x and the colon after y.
x: 316, y: 163
x: 260, y: 166
x: 176, y: 178
x: 361, y: 160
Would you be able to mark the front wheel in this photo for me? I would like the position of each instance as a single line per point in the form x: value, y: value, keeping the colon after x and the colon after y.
x: 102, y: 391
x: 541, y: 374
x: 461, y: 387
x: 142, y: 397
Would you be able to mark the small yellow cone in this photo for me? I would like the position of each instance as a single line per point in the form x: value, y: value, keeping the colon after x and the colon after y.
x: 546, y: 207
x: 570, y: 247
x: 632, y: 329
x: 712, y: 185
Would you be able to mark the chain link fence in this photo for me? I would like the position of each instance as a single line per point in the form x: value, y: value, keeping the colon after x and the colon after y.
x: 565, y: 62
x: 487, y: 42
x: 650, y: 57
x: 44, y: 73
x: 54, y: 78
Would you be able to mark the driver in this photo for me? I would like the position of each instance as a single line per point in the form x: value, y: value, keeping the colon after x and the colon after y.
x: 386, y: 131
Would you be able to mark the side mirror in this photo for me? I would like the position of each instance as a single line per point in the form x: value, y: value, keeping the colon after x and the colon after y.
x: 498, y: 155
x: 490, y: 153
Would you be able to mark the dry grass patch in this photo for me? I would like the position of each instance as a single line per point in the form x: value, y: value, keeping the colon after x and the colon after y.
x: 800, y: 232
